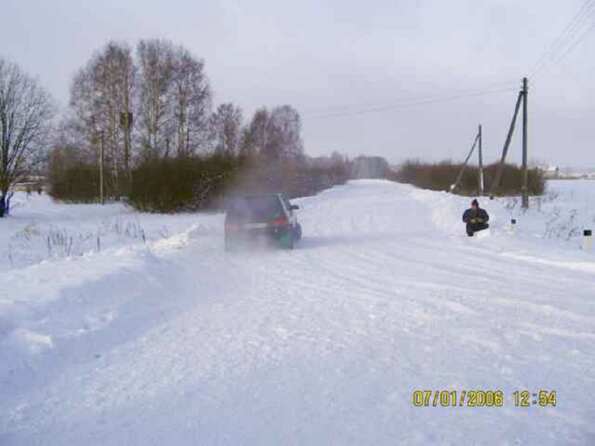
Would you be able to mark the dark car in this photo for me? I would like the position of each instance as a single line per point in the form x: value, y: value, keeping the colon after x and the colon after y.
x: 268, y: 217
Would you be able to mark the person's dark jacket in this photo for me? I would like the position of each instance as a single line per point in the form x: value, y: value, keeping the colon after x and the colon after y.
x: 475, y: 216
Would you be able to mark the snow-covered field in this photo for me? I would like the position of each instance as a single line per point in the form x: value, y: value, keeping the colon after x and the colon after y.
x: 126, y: 328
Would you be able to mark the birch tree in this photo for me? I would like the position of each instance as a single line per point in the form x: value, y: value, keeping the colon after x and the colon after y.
x: 25, y: 118
x: 284, y: 130
x: 101, y: 93
x: 191, y: 98
x: 254, y: 135
x: 156, y: 61
x: 274, y: 135
x: 226, y: 126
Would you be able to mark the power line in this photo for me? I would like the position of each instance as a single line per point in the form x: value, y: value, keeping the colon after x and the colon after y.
x: 574, y: 45
x: 566, y: 33
x: 569, y: 38
x: 346, y: 107
x: 562, y: 43
x: 408, y: 103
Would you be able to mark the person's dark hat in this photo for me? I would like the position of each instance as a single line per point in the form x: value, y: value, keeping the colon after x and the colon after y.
x: 475, y: 202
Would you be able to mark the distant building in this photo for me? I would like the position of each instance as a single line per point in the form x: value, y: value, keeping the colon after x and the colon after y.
x: 552, y: 172
x: 571, y: 173
x: 369, y: 167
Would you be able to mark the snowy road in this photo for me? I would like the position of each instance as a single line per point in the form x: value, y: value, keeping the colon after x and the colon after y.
x: 178, y: 342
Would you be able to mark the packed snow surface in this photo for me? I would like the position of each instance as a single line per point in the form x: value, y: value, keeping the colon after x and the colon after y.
x: 125, y: 328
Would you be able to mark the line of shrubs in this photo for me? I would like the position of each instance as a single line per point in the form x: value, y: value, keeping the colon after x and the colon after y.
x: 440, y: 176
x: 175, y: 184
x: 73, y: 180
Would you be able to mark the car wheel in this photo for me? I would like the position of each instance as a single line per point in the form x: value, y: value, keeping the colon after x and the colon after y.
x: 287, y: 241
x: 298, y: 232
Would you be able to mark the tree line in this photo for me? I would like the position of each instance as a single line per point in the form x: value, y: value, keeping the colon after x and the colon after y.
x: 131, y: 107
x: 141, y: 126
x: 441, y: 176
x: 148, y: 109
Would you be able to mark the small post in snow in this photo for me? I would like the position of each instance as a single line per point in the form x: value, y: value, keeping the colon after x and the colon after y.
x: 587, y: 240
x: 480, y: 161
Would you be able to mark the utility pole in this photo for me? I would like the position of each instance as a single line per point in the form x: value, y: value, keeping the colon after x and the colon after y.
x: 480, y: 162
x: 496, y: 181
x: 524, y: 189
x: 460, y: 175
x: 101, y: 159
x: 126, y: 124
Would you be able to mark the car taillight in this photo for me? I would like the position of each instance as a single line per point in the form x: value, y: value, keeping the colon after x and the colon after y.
x: 281, y: 221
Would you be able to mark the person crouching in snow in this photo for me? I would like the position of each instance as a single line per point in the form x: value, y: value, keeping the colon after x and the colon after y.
x: 476, y: 218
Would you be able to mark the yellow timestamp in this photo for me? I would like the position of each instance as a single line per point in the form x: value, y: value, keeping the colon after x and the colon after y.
x: 541, y: 398
x: 482, y: 398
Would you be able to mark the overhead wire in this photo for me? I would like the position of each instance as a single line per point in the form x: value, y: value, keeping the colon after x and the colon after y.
x: 411, y: 102
x: 404, y: 99
x: 567, y: 40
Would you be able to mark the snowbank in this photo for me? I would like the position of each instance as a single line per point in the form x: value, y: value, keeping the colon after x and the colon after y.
x: 556, y: 220
x: 40, y: 229
x: 171, y: 340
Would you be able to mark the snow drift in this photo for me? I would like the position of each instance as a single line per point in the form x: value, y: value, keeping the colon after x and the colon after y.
x: 168, y: 339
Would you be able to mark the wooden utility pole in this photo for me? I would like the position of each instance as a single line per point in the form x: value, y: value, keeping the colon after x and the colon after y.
x: 524, y: 188
x: 460, y: 175
x: 126, y: 124
x: 101, y: 159
x: 496, y: 182
x: 480, y: 161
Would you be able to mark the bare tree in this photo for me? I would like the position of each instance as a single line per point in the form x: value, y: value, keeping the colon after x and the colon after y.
x: 157, y: 63
x: 275, y: 135
x: 175, y: 99
x: 284, y: 129
x: 226, y: 125
x: 191, y: 96
x: 101, y: 94
x: 25, y: 116
x: 254, y: 136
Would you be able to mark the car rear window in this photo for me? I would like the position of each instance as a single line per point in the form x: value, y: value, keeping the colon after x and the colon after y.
x: 255, y: 209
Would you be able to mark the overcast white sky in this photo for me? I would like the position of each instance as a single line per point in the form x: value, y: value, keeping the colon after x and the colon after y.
x: 350, y: 56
